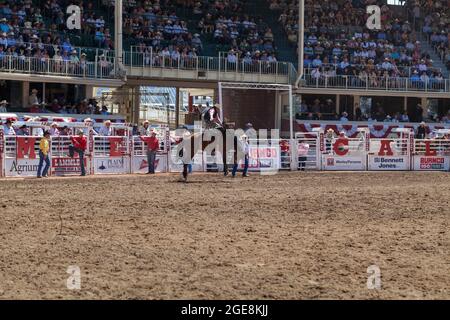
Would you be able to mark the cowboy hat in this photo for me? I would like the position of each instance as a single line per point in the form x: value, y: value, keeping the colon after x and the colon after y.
x: 3, y: 102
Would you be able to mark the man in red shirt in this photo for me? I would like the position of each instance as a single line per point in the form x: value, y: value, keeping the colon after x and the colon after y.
x: 79, y: 145
x: 152, y: 147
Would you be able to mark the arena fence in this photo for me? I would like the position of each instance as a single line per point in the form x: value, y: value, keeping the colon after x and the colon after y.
x: 123, y: 153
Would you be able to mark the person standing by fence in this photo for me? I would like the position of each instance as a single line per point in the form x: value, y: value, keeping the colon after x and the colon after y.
x: 79, y: 145
x: 152, y: 147
x: 44, y: 148
x: 244, y: 146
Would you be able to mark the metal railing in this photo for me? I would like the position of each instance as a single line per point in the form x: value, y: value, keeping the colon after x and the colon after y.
x: 283, y: 72
x: 375, y: 83
x: 100, y: 68
x: 405, y: 71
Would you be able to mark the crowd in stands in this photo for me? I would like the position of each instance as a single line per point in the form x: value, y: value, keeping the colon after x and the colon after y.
x: 434, y: 19
x: 59, y: 106
x: 325, y: 109
x: 239, y: 36
x: 337, y: 41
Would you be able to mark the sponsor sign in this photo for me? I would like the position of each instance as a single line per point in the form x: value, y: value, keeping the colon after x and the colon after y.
x: 388, y: 162
x: 64, y: 166
x: 344, y: 163
x: 21, y: 167
x: 112, y: 165
x: 140, y: 164
x: 427, y: 163
x: 263, y: 158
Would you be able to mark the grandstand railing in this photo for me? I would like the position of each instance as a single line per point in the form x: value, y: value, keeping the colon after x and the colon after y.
x: 403, y: 70
x: 279, y: 72
x: 100, y: 68
x: 375, y: 83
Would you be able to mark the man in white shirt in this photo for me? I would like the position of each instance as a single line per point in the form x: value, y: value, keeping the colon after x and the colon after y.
x: 3, y: 105
x: 106, y: 130
x: 54, y: 129
x: 8, y: 128
x: 145, y: 130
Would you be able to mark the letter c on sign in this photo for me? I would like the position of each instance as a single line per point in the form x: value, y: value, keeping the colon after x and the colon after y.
x: 340, y: 147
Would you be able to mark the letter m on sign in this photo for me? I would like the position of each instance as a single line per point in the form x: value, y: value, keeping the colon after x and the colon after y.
x: 25, y: 148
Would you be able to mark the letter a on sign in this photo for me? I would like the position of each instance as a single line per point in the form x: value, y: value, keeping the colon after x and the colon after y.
x: 25, y: 147
x: 374, y: 20
x: 385, y: 148
x: 74, y: 21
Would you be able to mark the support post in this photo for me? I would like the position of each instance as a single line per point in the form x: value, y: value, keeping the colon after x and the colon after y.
x: 177, y: 107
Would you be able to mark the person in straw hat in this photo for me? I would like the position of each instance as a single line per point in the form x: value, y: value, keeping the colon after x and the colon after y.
x: 106, y: 130
x: 79, y: 146
x: 3, y: 105
x: 152, y: 147
x: 33, y: 99
x: 54, y: 129
x: 243, y: 145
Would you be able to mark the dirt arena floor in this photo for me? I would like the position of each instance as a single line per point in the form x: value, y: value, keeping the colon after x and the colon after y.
x: 291, y: 236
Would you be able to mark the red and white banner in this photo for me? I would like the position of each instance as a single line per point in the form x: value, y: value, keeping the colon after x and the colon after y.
x: 140, y: 164
x: 377, y: 130
x: 62, y: 166
x: 431, y: 163
x: 263, y: 158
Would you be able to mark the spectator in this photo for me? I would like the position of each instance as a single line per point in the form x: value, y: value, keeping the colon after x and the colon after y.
x: 344, y: 117
x: 33, y: 100
x: 106, y: 129
x: 23, y: 131
x: 3, y: 105
x: 421, y: 131
x: 54, y: 129
x: 8, y: 129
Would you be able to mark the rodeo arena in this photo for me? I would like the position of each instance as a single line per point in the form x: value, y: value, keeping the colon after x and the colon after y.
x: 202, y: 150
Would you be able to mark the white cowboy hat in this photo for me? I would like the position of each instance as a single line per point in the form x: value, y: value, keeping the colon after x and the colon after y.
x: 3, y: 102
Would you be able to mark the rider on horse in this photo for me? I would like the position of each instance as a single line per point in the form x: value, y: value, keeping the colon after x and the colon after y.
x: 212, y: 118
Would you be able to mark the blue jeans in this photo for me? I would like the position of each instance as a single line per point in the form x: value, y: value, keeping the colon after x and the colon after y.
x: 43, y: 158
x: 235, y: 167
x: 80, y: 152
x: 151, y: 156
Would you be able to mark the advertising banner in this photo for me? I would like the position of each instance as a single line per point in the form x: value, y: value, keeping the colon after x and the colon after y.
x: 67, y: 166
x: 263, y: 158
x: 111, y: 165
x: 330, y: 162
x: 431, y: 163
x: 140, y: 164
x: 389, y: 163
x: 21, y: 167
